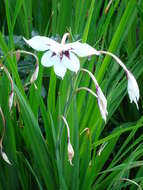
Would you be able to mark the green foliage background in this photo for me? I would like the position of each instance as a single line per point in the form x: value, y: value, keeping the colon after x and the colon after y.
x: 35, y: 139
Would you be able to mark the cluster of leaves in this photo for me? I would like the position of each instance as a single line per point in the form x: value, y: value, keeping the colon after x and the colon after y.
x: 107, y: 156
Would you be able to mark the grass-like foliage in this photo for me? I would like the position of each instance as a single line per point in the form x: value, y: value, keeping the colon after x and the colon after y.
x: 53, y: 136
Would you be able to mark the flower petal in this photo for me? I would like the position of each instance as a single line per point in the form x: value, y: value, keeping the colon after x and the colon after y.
x: 60, y: 69
x: 82, y: 49
x: 49, y: 59
x: 71, y: 62
x: 40, y: 43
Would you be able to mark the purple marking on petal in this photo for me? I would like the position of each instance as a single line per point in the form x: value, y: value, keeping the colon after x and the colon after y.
x: 127, y: 75
x: 97, y: 88
x: 53, y: 54
x: 66, y: 53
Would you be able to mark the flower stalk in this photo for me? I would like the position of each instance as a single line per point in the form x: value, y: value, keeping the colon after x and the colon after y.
x: 88, y: 90
x: 36, y: 71
x: 3, y: 154
x: 70, y: 148
x: 11, y: 95
x: 18, y: 53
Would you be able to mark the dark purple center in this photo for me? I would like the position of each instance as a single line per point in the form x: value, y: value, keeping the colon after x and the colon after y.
x: 53, y: 54
x: 66, y: 53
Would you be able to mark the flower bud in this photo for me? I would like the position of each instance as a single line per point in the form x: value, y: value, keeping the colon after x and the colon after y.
x: 10, y: 101
x: 102, y: 103
x: 133, y: 89
x: 70, y: 153
x: 5, y: 158
x: 17, y: 55
x: 35, y: 74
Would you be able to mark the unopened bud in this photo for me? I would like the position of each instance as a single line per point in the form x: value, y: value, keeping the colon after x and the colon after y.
x: 35, y: 74
x: 133, y: 89
x: 5, y: 158
x: 10, y: 102
x: 108, y: 6
x: 102, y: 103
x: 70, y: 153
x: 17, y: 55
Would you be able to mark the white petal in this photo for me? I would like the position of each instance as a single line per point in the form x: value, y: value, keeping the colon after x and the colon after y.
x: 60, y: 69
x: 82, y: 49
x: 133, y: 89
x: 48, y: 59
x: 72, y: 63
x: 40, y: 43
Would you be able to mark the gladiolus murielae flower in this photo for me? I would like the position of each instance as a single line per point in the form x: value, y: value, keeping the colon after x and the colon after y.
x: 60, y: 55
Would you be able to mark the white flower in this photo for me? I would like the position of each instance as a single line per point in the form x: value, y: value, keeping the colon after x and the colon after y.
x: 133, y: 89
x: 102, y: 103
x: 60, y: 55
